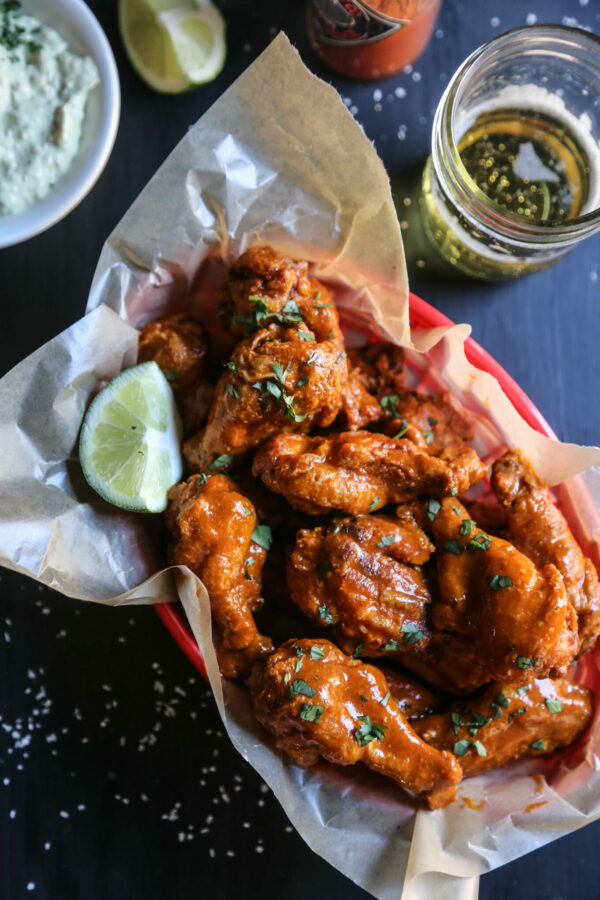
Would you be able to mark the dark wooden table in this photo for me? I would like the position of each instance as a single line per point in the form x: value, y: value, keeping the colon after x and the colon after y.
x: 116, y: 780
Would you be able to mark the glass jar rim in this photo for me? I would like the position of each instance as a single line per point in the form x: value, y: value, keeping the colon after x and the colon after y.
x: 475, y: 204
x: 396, y: 20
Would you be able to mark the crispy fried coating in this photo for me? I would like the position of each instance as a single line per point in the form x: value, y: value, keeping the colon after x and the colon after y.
x: 178, y: 345
x: 427, y: 419
x: 360, y: 407
x: 317, y: 701
x: 212, y: 526
x: 380, y: 367
x: 359, y: 472
x: 518, y: 616
x: 537, y: 527
x: 287, y: 292
x: 278, y: 380
x: 509, y: 722
x: 363, y: 576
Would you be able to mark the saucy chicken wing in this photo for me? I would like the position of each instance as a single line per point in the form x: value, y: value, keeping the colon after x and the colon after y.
x: 538, y: 529
x: 278, y: 380
x: 213, y: 527
x: 359, y: 472
x: 360, y: 407
x: 509, y: 722
x: 518, y: 615
x: 426, y: 419
x: 363, y: 577
x: 178, y: 345
x: 380, y: 367
x: 414, y: 699
x: 317, y: 701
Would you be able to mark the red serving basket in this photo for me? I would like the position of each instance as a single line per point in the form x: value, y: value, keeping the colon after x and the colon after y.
x: 422, y: 315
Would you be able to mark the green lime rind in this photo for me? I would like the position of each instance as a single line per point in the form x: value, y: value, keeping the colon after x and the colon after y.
x: 174, y: 45
x: 129, y: 446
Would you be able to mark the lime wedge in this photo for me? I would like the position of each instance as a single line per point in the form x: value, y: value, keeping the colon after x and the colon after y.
x: 129, y: 443
x: 173, y: 45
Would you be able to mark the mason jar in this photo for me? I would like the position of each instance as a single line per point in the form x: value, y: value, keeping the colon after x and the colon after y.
x: 513, y: 180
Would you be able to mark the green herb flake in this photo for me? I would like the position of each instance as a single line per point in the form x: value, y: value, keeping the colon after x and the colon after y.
x: 453, y: 492
x: 523, y: 689
x: 262, y: 536
x: 461, y: 747
x: 232, y: 391
x: 247, y: 512
x: 433, y: 422
x: 172, y: 375
x: 306, y: 336
x: 481, y: 751
x: 411, y: 634
x: 221, y: 461
x: 481, y: 541
x: 433, y: 508
x: 330, y: 334
x: 364, y: 699
x: 325, y: 566
x: 301, y: 382
x: 286, y: 678
x: 358, y: 650
x: 554, y: 706
x: 403, y: 430
x: 386, y: 699
x: 386, y: 541
x: 298, y: 686
x: 310, y: 712
x: 525, y: 662
x: 368, y: 731
x: 467, y: 526
x: 316, y: 652
x: 290, y: 310
x: 324, y: 615
x: 539, y: 745
x: 341, y: 357
x: 390, y: 404
x: 501, y: 700
x: 312, y: 358
x: 496, y: 582
x: 318, y: 296
x: 391, y: 647
x: 455, y: 547
x: 202, y: 479
x: 231, y: 366
x: 429, y: 437
x: 374, y: 504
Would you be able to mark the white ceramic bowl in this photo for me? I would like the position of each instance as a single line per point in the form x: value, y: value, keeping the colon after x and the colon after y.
x: 74, y: 20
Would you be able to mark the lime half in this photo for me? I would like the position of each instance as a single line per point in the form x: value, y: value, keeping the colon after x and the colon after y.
x: 129, y: 444
x: 173, y: 44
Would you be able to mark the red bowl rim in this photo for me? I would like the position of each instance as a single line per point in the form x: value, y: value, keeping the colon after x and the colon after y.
x: 422, y: 315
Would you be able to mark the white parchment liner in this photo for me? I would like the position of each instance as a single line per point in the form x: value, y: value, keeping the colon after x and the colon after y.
x: 280, y: 160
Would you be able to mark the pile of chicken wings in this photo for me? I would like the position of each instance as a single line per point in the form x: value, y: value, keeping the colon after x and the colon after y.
x: 320, y: 482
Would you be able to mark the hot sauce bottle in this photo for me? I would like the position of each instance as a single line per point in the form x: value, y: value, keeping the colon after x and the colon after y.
x: 369, y: 39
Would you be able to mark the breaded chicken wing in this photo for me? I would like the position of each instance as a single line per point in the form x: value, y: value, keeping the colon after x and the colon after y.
x: 363, y: 576
x: 212, y: 526
x: 278, y: 380
x: 317, y: 701
x: 264, y: 287
x: 359, y: 472
x: 517, y: 615
x: 178, y: 345
x: 537, y: 527
x: 509, y: 722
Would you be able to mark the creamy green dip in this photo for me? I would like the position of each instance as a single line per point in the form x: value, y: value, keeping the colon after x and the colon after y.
x: 43, y: 93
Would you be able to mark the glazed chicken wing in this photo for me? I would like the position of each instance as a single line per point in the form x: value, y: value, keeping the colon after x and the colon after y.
x: 276, y: 381
x: 535, y: 525
x: 178, y: 345
x: 518, y: 616
x: 287, y: 292
x: 363, y: 576
x: 213, y: 527
x: 359, y: 472
x: 509, y: 722
x: 317, y: 701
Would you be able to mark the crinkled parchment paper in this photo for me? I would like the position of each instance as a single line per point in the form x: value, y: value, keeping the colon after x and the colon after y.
x: 278, y: 159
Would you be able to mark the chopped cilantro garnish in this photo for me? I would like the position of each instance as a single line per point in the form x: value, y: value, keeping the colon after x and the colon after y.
x: 481, y: 541
x: 172, y: 375
x: 496, y: 582
x: 467, y: 526
x: 325, y: 566
x: 316, y: 652
x: 247, y: 511
x: 455, y: 547
x: 291, y: 310
x: 402, y: 432
x: 306, y: 336
x: 386, y: 541
x: 538, y: 745
x: 318, y: 296
x: 298, y: 686
x: 391, y: 647
x: 341, y: 357
x: 411, y: 634
x: 433, y: 508
x: 525, y: 662
x: 433, y: 422
x: 247, y: 575
x: 385, y: 699
x: 523, y: 689
x: 312, y: 358
x: 221, y: 461
x: 429, y: 437
x: 373, y: 504
x: 481, y: 751
x: 324, y: 614
x: 232, y: 391
x: 554, y: 706
x: 358, y: 650
x: 262, y: 536
x: 286, y: 678
x: 390, y: 403
x: 301, y: 382
x: 368, y: 731
x: 202, y: 479
x: 453, y: 492
x: 330, y: 334
x: 501, y: 700
x: 461, y: 747
x: 260, y: 304
x: 231, y: 366
x: 310, y: 712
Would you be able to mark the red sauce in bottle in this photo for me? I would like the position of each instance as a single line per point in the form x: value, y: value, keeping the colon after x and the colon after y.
x: 369, y: 39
